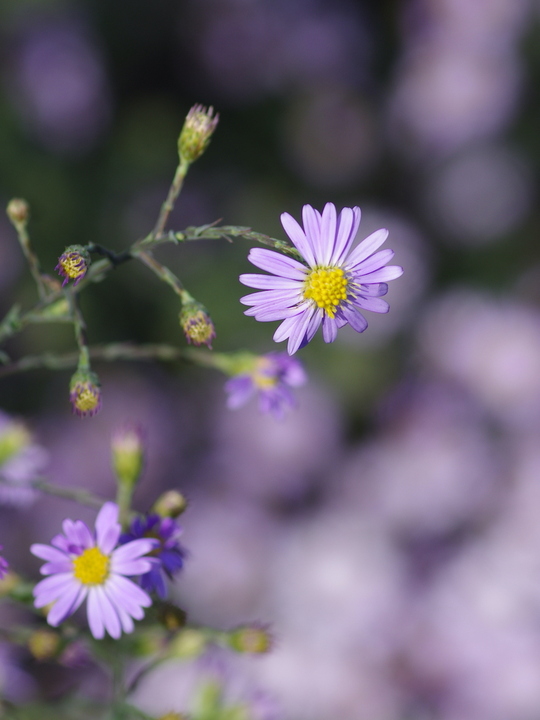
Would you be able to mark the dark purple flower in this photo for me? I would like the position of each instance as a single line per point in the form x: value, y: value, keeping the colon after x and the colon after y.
x: 168, y: 555
x: 271, y: 376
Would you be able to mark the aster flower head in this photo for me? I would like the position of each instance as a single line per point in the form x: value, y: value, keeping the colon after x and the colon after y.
x: 82, y: 565
x: 73, y: 264
x: 85, y: 393
x: 331, y: 288
x: 197, y: 324
x: 199, y: 127
x: 271, y: 376
x: 168, y: 555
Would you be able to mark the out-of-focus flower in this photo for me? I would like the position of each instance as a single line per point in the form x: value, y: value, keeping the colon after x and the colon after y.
x: 21, y: 461
x: 250, y: 639
x: 4, y: 566
x: 198, y: 128
x: 170, y: 504
x: 168, y: 554
x: 84, y: 565
x: 73, y: 264
x: 128, y: 453
x: 85, y: 393
x: 271, y: 376
x: 44, y: 644
x: 333, y: 288
x: 197, y: 324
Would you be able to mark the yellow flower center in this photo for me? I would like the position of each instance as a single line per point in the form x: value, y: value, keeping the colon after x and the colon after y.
x: 327, y: 287
x: 263, y: 375
x: 198, y: 329
x: 86, y: 398
x: 73, y: 265
x: 92, y: 567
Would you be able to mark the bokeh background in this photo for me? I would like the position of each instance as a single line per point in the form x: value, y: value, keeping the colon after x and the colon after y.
x: 388, y: 529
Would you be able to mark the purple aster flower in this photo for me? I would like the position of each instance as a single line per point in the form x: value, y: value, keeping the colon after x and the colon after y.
x: 21, y: 462
x: 83, y: 565
x: 168, y: 555
x: 271, y: 376
x: 334, y: 286
x: 4, y: 566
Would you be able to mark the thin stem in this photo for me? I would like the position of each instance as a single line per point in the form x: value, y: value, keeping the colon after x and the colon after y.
x: 31, y: 257
x: 164, y: 274
x: 174, y: 192
x: 80, y: 496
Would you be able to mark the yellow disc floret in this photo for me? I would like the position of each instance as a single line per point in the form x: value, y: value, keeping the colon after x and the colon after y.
x: 86, y: 398
x: 327, y: 287
x: 92, y: 567
x: 264, y: 375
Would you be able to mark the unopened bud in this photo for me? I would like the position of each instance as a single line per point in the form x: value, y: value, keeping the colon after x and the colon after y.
x: 172, y: 716
x: 250, y: 639
x: 85, y: 393
x: 128, y: 453
x: 73, y: 263
x: 170, y: 504
x: 44, y: 644
x: 198, y: 128
x: 18, y: 211
x: 197, y: 324
x: 188, y: 643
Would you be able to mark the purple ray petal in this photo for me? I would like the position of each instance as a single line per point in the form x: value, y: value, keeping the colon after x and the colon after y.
x: 298, y: 237
x: 277, y: 264
x: 367, y: 247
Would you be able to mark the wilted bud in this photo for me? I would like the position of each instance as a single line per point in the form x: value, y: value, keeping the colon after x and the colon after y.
x: 73, y: 264
x: 250, y: 639
x: 170, y: 504
x: 196, y: 133
x: 18, y: 211
x: 85, y: 393
x: 44, y: 644
x: 172, y: 617
x: 128, y: 453
x: 197, y: 324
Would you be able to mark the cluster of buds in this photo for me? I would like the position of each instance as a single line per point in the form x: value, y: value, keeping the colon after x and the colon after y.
x: 85, y: 393
x: 73, y: 264
x: 197, y: 324
x: 198, y: 128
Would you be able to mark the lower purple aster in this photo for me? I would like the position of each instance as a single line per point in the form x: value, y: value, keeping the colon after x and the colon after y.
x: 4, y: 566
x: 271, y: 376
x: 168, y: 556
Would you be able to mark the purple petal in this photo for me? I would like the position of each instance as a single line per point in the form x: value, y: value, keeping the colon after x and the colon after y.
x: 277, y: 264
x: 374, y: 290
x: 93, y: 612
x: 314, y: 324
x: 391, y: 272
x: 66, y: 604
x: 298, y: 330
x: 355, y: 319
x: 268, y: 282
x: 285, y: 297
x: 46, y: 552
x: 127, y: 594
x: 108, y: 613
x: 266, y: 314
x: 107, y: 528
x: 52, y: 587
x: 344, y: 235
x: 374, y: 262
x: 328, y: 234
x: 133, y: 549
x: 374, y: 304
x: 284, y: 330
x: 133, y: 567
x: 329, y: 328
x: 312, y: 227
x: 298, y: 237
x: 240, y: 389
x: 53, y: 568
x: 367, y: 247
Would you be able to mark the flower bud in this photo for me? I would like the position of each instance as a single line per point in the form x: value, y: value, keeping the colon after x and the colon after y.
x: 18, y: 211
x: 128, y: 453
x: 196, y: 133
x: 250, y: 639
x: 172, y: 716
x: 197, y: 324
x: 73, y: 264
x: 85, y: 393
x: 44, y: 644
x: 170, y: 504
x: 187, y: 643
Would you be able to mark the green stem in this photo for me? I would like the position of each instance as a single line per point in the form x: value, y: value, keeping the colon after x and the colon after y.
x: 31, y: 257
x: 80, y: 496
x: 164, y: 274
x: 174, y: 192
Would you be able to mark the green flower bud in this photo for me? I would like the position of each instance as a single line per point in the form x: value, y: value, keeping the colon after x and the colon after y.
x: 128, y: 453
x: 250, y: 639
x: 170, y: 504
x: 198, y: 128
x: 18, y: 211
